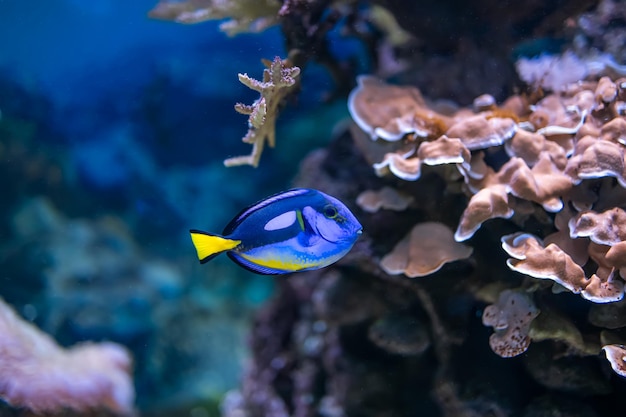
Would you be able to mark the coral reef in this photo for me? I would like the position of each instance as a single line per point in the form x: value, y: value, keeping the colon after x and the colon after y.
x: 556, y: 72
x: 489, y: 280
x: 596, y: 49
x: 462, y: 49
x: 553, y: 147
x: 349, y: 340
x: 511, y: 318
x: 424, y: 251
x: 279, y: 80
x: 39, y: 375
x: 249, y: 16
x: 530, y: 286
x: 385, y: 198
x: 458, y: 56
x: 616, y: 354
x: 601, y: 29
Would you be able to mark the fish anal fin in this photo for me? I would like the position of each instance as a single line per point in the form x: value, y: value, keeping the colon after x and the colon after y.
x: 209, y: 246
x: 252, y: 267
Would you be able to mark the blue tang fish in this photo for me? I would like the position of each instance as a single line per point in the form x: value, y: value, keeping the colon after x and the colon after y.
x: 296, y: 230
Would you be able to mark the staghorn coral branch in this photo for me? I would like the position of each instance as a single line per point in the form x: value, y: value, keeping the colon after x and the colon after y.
x: 244, y: 108
x: 38, y: 374
x: 279, y: 80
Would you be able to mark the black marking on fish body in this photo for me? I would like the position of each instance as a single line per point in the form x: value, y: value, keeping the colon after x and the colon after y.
x: 208, y: 258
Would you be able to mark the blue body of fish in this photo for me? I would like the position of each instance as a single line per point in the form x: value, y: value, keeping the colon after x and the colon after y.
x: 296, y: 230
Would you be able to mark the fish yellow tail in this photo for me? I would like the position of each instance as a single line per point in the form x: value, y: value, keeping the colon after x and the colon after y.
x: 209, y: 246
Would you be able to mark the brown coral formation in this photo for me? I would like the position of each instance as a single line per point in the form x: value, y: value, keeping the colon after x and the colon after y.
x: 425, y: 250
x: 564, y: 167
x: 247, y: 16
x: 391, y: 112
x: 510, y: 318
x: 616, y: 355
x: 37, y: 374
x: 530, y: 257
x: 606, y: 228
x: 385, y: 198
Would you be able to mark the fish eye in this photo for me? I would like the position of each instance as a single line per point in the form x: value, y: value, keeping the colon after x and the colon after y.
x: 330, y: 212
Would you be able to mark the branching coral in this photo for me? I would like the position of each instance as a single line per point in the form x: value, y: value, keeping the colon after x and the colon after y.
x: 245, y: 16
x: 279, y: 80
x: 38, y: 374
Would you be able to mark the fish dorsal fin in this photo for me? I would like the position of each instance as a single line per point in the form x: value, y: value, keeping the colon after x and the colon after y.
x: 259, y: 205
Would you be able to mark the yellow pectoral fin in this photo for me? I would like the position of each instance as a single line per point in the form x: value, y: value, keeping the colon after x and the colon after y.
x: 209, y: 246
